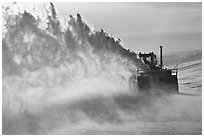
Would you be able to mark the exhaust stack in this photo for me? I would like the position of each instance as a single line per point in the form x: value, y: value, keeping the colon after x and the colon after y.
x: 161, y: 61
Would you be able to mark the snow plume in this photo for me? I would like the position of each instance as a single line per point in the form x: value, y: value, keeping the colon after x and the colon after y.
x: 48, y: 60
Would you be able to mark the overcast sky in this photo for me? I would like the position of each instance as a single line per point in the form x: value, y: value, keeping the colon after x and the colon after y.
x: 144, y: 26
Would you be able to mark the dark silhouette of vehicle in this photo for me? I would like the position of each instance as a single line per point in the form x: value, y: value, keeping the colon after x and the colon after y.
x: 156, y: 76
